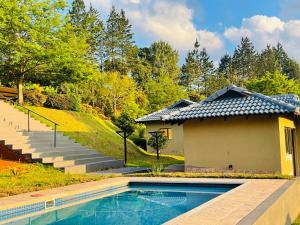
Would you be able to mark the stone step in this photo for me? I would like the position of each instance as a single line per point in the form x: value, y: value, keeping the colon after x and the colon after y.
x: 59, y: 149
x: 65, y: 163
x: 92, y: 167
x: 71, y: 157
x: 36, y: 155
x: 39, y: 144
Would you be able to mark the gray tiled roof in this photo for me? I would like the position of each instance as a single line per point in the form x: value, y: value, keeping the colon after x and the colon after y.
x: 234, y: 101
x: 288, y: 98
x: 161, y: 114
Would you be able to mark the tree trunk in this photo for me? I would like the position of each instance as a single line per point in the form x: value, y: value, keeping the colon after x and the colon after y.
x: 20, y: 90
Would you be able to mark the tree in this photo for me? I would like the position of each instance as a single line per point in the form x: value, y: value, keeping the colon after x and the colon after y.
x: 273, y: 84
x: 207, y: 69
x: 244, y: 61
x: 163, y: 92
x: 119, y: 43
x: 160, y: 141
x: 118, y: 90
x: 191, y: 69
x: 88, y: 24
x: 78, y: 16
x: 288, y: 66
x: 34, y: 41
x: 267, y: 62
x: 163, y: 61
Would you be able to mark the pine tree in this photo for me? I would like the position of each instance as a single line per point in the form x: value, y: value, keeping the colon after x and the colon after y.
x: 288, y: 66
x: 244, y: 61
x: 207, y: 69
x: 96, y: 34
x: 119, y: 43
x: 267, y: 62
x: 191, y: 69
x: 78, y: 15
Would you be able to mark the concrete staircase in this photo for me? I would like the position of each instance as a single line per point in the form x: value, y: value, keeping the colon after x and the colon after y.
x: 39, y: 144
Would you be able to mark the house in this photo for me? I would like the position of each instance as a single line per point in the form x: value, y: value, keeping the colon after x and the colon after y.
x: 173, y: 132
x: 235, y: 129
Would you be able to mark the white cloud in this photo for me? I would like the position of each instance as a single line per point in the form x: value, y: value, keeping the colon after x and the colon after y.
x: 263, y: 30
x: 168, y: 20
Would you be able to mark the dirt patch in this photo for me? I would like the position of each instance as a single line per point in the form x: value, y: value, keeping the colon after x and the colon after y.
x: 4, y: 164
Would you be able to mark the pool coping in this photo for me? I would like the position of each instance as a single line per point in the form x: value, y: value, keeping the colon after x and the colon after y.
x: 186, y: 218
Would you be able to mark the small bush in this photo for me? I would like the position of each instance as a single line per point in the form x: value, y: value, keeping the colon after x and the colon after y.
x: 75, y: 102
x: 141, y: 142
x: 34, y: 98
x: 88, y: 109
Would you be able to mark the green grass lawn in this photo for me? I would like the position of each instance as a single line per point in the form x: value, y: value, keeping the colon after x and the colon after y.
x: 24, y: 178
x: 101, y: 135
x: 213, y: 175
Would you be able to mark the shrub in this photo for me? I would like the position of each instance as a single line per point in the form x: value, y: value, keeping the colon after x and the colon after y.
x: 63, y: 101
x: 75, y: 102
x: 141, y: 142
x: 34, y: 98
x: 161, y: 141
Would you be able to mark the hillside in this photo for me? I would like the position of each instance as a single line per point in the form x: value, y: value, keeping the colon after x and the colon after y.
x: 100, y: 135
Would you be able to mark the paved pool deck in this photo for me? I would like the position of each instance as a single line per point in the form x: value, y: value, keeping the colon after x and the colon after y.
x: 243, y: 205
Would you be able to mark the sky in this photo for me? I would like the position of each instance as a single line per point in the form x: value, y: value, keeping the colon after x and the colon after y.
x: 217, y: 24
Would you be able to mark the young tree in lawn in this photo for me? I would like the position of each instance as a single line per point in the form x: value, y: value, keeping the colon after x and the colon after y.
x: 39, y: 43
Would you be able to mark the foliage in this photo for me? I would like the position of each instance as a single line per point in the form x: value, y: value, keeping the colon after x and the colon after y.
x: 163, y: 93
x: 158, y: 140
x: 244, y: 61
x: 40, y: 44
x: 273, y: 84
x: 33, y: 177
x: 126, y: 123
x: 34, y: 98
x: 156, y: 169
x: 63, y: 101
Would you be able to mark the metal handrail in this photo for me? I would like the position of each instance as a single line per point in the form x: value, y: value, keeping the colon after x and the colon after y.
x: 29, y: 111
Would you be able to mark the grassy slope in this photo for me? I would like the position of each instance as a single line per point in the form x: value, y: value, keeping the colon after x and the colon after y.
x: 100, y: 135
x: 34, y: 177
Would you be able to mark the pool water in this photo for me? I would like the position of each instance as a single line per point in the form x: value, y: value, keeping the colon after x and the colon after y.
x: 138, y: 205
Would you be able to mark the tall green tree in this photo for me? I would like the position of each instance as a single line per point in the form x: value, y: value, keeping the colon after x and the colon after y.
x: 119, y: 44
x: 163, y: 60
x: 89, y: 24
x: 35, y: 41
x: 268, y: 62
x: 207, y: 70
x: 244, y: 61
x: 288, y: 66
x: 191, y: 69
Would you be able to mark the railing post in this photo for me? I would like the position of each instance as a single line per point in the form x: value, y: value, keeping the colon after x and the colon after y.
x: 55, y: 135
x: 28, y: 121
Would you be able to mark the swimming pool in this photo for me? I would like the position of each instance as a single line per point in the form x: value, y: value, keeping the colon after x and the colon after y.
x: 136, y: 204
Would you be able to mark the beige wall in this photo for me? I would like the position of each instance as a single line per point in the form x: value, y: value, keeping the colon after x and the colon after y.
x: 251, y: 144
x: 175, y: 145
x: 285, y: 209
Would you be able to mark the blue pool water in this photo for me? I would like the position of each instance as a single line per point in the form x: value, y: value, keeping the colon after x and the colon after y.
x: 137, y: 205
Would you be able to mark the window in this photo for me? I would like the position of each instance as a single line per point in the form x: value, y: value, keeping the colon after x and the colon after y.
x: 289, y: 140
x: 167, y: 132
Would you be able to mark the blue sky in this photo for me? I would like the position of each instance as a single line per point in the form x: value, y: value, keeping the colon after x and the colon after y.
x: 217, y: 24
